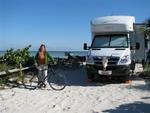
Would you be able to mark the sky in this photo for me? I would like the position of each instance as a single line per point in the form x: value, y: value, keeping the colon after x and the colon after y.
x: 59, y: 24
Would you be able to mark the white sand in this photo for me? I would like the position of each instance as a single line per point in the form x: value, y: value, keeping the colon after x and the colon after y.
x: 79, y: 97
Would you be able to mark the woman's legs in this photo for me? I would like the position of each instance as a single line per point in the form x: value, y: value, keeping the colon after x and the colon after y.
x: 45, y: 75
x: 42, y: 74
x: 39, y: 74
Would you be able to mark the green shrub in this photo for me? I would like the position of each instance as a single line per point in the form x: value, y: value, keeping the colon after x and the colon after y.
x: 147, y: 69
x: 2, y: 82
x: 17, y: 57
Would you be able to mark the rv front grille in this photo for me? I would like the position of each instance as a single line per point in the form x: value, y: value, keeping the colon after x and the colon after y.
x: 111, y: 60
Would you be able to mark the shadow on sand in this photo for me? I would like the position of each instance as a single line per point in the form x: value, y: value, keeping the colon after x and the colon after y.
x: 78, y: 77
x: 136, y: 107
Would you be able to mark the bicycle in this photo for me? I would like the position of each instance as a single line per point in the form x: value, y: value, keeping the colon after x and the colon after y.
x: 56, y: 79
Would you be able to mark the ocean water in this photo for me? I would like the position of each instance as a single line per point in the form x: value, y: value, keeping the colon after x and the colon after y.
x: 56, y: 54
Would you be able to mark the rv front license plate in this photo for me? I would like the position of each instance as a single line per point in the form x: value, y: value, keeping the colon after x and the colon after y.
x: 104, y: 72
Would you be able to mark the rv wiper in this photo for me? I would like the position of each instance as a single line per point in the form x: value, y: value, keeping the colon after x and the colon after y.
x: 120, y: 49
x: 96, y: 49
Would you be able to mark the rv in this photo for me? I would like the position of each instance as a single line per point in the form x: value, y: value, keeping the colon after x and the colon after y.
x: 117, y: 44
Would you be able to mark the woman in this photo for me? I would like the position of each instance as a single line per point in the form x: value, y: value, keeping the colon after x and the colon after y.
x: 42, y: 59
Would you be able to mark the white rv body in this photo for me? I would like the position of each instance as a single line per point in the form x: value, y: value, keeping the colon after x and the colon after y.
x: 138, y: 36
x: 120, y: 30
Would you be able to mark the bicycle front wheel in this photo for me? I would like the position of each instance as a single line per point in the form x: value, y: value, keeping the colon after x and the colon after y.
x: 57, y: 80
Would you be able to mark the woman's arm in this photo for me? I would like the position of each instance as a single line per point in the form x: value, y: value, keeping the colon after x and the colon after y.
x: 36, y: 59
x: 50, y: 58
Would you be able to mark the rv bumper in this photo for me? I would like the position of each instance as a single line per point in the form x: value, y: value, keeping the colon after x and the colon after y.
x: 117, y: 70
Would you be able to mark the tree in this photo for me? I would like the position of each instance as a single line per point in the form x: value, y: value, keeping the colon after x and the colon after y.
x: 147, y: 31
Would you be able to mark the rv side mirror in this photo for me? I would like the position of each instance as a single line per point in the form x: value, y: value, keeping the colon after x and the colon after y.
x: 131, y: 47
x: 85, y: 46
x: 137, y: 46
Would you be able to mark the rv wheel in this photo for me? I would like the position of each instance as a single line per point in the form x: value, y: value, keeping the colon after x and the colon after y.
x: 90, y: 74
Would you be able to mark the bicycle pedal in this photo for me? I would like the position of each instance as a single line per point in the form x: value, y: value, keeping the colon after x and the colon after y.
x: 44, y: 85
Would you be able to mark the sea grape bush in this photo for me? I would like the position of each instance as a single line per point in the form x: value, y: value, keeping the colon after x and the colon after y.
x: 17, y: 57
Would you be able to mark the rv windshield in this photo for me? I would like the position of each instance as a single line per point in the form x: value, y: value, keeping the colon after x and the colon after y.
x: 113, y: 41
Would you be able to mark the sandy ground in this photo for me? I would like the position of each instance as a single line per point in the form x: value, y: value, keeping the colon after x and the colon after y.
x: 79, y: 97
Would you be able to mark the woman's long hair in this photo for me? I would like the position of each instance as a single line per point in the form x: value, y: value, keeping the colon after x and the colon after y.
x: 40, y: 49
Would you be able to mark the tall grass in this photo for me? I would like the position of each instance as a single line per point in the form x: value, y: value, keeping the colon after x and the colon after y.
x: 5, y: 67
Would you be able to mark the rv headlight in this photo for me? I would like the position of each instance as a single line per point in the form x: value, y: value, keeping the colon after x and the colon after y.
x: 90, y: 60
x: 125, y: 59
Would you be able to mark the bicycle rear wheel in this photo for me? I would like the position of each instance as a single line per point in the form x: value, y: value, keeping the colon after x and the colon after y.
x: 30, y: 80
x: 57, y: 80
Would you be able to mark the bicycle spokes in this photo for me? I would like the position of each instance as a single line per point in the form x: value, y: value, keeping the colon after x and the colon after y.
x: 57, y: 81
